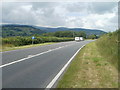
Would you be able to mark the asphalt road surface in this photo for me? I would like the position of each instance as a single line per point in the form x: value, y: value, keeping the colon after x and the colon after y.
x: 36, y: 71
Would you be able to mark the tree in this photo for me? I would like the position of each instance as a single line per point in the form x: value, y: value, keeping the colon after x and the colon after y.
x: 93, y: 36
x: 80, y: 34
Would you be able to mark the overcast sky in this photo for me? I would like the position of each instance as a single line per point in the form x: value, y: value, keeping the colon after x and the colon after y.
x: 93, y: 15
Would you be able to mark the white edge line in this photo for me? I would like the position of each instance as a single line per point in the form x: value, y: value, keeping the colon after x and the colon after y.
x: 62, y: 70
x: 32, y: 56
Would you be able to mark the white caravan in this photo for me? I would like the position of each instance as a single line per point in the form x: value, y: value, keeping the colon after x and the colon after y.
x: 79, y: 38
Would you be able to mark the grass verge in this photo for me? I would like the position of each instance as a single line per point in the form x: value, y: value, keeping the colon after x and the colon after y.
x: 90, y: 70
x: 11, y: 47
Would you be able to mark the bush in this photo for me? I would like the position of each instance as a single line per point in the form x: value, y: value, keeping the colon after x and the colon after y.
x: 20, y: 41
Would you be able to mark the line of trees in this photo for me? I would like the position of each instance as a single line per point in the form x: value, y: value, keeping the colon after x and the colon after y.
x: 66, y: 34
x: 71, y: 34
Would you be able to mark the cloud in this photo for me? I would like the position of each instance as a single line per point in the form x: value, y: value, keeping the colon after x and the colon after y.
x: 66, y: 14
x: 102, y: 7
x: 103, y: 21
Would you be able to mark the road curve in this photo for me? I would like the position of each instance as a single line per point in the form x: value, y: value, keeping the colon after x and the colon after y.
x: 37, y: 71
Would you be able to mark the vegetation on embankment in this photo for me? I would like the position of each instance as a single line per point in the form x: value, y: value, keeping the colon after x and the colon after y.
x: 108, y: 47
x: 11, y: 42
x: 95, y: 66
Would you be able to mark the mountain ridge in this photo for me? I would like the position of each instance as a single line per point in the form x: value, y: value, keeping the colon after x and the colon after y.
x: 31, y: 29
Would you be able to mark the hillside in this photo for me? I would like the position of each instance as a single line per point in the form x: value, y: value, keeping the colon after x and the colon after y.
x: 19, y: 30
x: 87, y: 31
x: 27, y: 30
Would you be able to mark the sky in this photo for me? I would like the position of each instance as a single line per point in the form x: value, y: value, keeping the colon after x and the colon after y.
x: 92, y: 15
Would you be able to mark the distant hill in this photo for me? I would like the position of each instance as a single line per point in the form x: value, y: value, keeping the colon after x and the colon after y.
x: 87, y: 31
x: 28, y: 30
x: 20, y: 30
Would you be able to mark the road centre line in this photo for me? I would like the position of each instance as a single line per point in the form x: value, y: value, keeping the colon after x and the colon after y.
x: 32, y: 56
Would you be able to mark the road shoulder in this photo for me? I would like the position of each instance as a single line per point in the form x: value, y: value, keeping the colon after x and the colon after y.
x: 89, y: 70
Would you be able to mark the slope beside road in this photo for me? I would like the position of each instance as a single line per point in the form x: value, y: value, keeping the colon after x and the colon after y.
x: 89, y: 69
x: 37, y: 71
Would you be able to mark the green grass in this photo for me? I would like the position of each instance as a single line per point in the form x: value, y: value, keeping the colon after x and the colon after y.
x: 108, y: 47
x: 90, y: 69
x: 18, y: 42
x: 26, y: 40
x: 8, y: 47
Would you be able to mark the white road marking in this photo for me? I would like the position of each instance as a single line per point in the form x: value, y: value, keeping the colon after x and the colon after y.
x: 32, y: 56
x: 62, y: 70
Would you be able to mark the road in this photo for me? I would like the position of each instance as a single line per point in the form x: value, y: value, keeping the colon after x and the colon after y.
x: 35, y: 67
